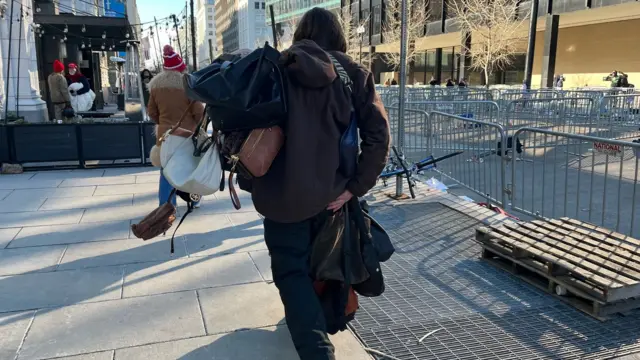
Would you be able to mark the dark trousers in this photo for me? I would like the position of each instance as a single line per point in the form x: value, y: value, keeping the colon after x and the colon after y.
x: 290, y: 249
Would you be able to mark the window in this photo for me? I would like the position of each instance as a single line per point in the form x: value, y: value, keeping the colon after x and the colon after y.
x: 210, y: 2
x: 263, y: 6
x: 210, y: 25
x: 257, y: 5
x: 211, y: 33
x: 210, y: 17
x: 209, y: 10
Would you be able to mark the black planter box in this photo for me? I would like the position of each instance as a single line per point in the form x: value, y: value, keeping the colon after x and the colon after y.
x: 44, y: 142
x: 4, y: 145
x: 110, y: 141
x: 36, y: 143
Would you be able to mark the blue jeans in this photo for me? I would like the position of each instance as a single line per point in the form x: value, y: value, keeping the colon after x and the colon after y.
x: 164, y: 191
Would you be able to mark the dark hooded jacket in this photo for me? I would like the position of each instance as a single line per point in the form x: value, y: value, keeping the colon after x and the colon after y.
x: 304, y: 178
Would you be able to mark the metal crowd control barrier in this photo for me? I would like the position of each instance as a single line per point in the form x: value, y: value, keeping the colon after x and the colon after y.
x: 619, y: 116
x: 574, y: 115
x: 415, y: 144
x: 599, y: 186
x: 478, y: 110
x: 480, y: 168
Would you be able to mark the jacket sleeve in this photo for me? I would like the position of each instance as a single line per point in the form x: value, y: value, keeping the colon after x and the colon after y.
x: 152, y: 108
x: 196, y: 111
x: 63, y: 88
x: 85, y: 86
x: 374, y: 133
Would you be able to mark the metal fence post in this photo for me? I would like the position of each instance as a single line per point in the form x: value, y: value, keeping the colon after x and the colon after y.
x: 403, y: 84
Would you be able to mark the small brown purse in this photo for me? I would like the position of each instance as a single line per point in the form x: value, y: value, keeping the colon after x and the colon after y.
x: 156, y: 222
x: 255, y: 157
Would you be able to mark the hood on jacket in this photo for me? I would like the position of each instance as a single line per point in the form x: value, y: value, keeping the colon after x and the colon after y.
x: 166, y: 79
x: 308, y: 64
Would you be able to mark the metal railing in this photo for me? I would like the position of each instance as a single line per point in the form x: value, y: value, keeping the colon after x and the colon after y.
x: 416, y: 134
x: 619, y: 116
x: 479, y: 110
x: 479, y: 169
x: 599, y: 186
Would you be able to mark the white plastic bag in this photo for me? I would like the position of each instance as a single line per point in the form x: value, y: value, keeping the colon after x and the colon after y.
x: 436, y: 184
x: 192, y: 174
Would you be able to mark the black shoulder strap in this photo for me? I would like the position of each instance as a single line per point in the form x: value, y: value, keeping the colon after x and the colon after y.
x: 344, y: 77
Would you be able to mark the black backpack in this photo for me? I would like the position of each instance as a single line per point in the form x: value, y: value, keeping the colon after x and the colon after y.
x: 241, y: 93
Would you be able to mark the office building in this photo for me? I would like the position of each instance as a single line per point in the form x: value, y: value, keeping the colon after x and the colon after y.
x: 240, y: 24
x: 594, y: 37
x: 206, y: 34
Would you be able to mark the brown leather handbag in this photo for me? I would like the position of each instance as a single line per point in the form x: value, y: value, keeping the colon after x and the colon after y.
x: 255, y: 156
x: 156, y: 222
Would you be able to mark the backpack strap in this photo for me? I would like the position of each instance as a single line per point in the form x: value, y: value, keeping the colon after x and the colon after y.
x: 344, y: 78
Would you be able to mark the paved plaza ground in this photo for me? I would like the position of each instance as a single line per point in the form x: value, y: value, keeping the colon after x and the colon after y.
x: 76, y: 284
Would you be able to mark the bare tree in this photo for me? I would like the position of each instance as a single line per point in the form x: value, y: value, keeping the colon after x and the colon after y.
x: 285, y: 35
x: 496, y: 29
x: 391, y: 30
x: 354, y: 39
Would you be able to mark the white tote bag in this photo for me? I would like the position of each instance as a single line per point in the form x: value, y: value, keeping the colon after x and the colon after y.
x: 199, y: 173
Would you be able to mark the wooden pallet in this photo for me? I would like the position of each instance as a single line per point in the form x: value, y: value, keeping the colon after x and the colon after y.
x: 592, y: 268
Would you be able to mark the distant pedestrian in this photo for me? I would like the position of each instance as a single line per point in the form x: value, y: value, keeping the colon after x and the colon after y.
x: 58, y: 91
x: 450, y: 83
x: 81, y: 94
x: 394, y: 82
x: 167, y: 103
x: 462, y: 83
x: 433, y: 81
x: 387, y: 83
x: 558, y: 81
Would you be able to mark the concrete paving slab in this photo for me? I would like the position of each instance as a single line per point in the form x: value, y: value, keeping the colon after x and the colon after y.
x: 40, y: 218
x: 105, y: 180
x: 38, y: 290
x: 132, y: 171
x: 68, y: 174
x: 14, y: 204
x: 117, y: 213
x: 245, y: 306
x: 148, y: 179
x: 13, y: 327
x: 199, y: 223
x: 6, y: 235
x: 21, y: 195
x: 120, y: 252
x: 256, y: 344
x: 272, y: 343
x: 189, y: 274
x: 23, y: 176
x: 70, y: 234
x: 20, y: 183
x: 108, y: 325
x: 263, y: 262
x: 125, y: 189
x: 103, y: 355
x: 5, y: 193
x: 224, y: 206
x: 224, y: 242
x: 247, y: 220
x: 27, y: 260
x: 89, y: 202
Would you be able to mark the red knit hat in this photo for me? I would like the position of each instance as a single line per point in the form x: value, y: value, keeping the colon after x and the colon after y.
x: 58, y: 66
x: 172, y: 61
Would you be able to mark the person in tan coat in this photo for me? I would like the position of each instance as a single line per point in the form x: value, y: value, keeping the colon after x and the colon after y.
x: 167, y: 103
x: 58, y: 89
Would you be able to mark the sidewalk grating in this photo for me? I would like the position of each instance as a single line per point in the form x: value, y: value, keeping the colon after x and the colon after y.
x: 436, y: 280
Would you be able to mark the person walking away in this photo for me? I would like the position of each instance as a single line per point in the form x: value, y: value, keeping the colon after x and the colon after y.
x: 462, y: 83
x: 80, y: 90
x: 167, y: 103
x: 433, y: 81
x: 303, y: 187
x: 559, y: 82
x: 58, y: 90
x: 450, y: 83
x: 394, y: 82
x: 387, y: 83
